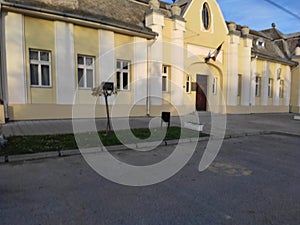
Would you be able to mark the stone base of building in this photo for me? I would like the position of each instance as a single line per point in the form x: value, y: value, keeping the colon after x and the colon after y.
x: 257, y: 109
x: 2, y: 115
x: 53, y: 111
x: 295, y: 109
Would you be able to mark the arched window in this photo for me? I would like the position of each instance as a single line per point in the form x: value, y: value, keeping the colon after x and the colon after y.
x: 205, y: 16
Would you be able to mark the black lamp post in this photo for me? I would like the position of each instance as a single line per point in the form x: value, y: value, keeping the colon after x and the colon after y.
x: 106, y: 89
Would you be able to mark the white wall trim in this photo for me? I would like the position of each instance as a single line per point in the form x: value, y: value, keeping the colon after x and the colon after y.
x: 287, y: 86
x: 140, y: 70
x: 177, y: 66
x: 155, y: 22
x: 232, y: 72
x: 15, y: 55
x: 264, y: 83
x: 24, y: 60
x: 106, y: 60
x: 276, y: 86
x: 253, y: 82
x: 246, y: 76
x: 65, y: 63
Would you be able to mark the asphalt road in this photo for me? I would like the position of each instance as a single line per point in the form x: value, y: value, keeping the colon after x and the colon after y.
x: 254, y: 180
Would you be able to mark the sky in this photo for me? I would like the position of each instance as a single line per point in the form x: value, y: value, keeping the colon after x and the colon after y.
x: 260, y: 14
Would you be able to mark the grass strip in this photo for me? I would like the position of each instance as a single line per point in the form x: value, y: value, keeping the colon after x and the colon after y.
x: 45, y: 143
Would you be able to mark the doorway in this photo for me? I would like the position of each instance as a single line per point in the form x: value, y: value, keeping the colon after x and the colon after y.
x: 201, y: 91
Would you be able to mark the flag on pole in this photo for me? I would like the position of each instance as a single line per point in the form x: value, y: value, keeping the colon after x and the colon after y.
x: 215, y: 53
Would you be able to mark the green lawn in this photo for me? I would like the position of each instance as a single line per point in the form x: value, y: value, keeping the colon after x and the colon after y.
x: 44, y: 143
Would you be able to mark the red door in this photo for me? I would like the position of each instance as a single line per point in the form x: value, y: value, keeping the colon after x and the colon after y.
x: 201, y: 90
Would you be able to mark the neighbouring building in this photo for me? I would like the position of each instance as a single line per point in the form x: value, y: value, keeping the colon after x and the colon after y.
x: 180, y: 57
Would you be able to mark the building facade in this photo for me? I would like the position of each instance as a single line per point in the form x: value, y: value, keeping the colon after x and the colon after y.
x: 180, y: 58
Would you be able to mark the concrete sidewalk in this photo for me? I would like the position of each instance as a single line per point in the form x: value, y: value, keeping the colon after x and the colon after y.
x: 236, y: 124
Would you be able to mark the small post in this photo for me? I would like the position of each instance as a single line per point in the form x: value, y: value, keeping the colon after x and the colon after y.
x: 108, y: 124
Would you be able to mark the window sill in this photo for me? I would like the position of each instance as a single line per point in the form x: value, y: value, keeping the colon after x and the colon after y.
x: 36, y: 86
x: 119, y: 90
x: 85, y: 89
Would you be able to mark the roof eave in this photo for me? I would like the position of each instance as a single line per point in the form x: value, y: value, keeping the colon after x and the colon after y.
x: 274, y: 59
x: 80, y: 20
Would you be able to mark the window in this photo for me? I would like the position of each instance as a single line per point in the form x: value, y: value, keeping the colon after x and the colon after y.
x: 85, y: 71
x: 122, y: 75
x: 215, y: 85
x: 281, y: 88
x: 260, y: 43
x: 188, y: 84
x: 239, y: 94
x: 164, y: 83
x: 257, y: 86
x: 270, y: 88
x: 40, y: 68
x: 205, y: 16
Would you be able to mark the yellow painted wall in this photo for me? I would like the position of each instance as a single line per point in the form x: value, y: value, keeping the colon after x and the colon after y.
x: 167, y: 30
x: 86, y: 43
x: 295, y: 88
x: 39, y: 34
x: 216, y: 34
x: 167, y: 41
x: 124, y: 47
x: 272, y: 70
x: 260, y: 67
x: 194, y: 34
x: 54, y: 111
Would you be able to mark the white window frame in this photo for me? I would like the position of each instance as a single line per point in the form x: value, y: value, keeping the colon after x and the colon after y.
x: 188, y: 84
x: 40, y: 63
x: 207, y: 16
x: 85, y: 67
x: 165, y: 73
x: 257, y: 86
x: 215, y: 85
x: 260, y: 43
x: 121, y: 70
x: 281, y: 88
x: 270, y: 87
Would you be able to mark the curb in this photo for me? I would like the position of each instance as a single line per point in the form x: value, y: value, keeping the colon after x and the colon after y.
x: 286, y: 134
x: 65, y: 153
x: 34, y: 156
x: 255, y: 133
x: 145, y: 145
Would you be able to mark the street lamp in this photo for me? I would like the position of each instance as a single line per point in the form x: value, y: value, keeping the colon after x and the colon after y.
x: 106, y: 89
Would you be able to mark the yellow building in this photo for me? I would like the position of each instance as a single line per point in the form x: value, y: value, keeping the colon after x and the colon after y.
x: 181, y: 58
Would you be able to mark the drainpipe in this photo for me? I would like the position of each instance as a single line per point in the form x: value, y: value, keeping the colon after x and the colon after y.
x: 150, y: 43
x: 148, y: 73
x: 2, y: 68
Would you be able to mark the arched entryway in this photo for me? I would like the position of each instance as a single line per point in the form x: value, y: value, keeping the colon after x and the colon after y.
x: 206, y: 82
